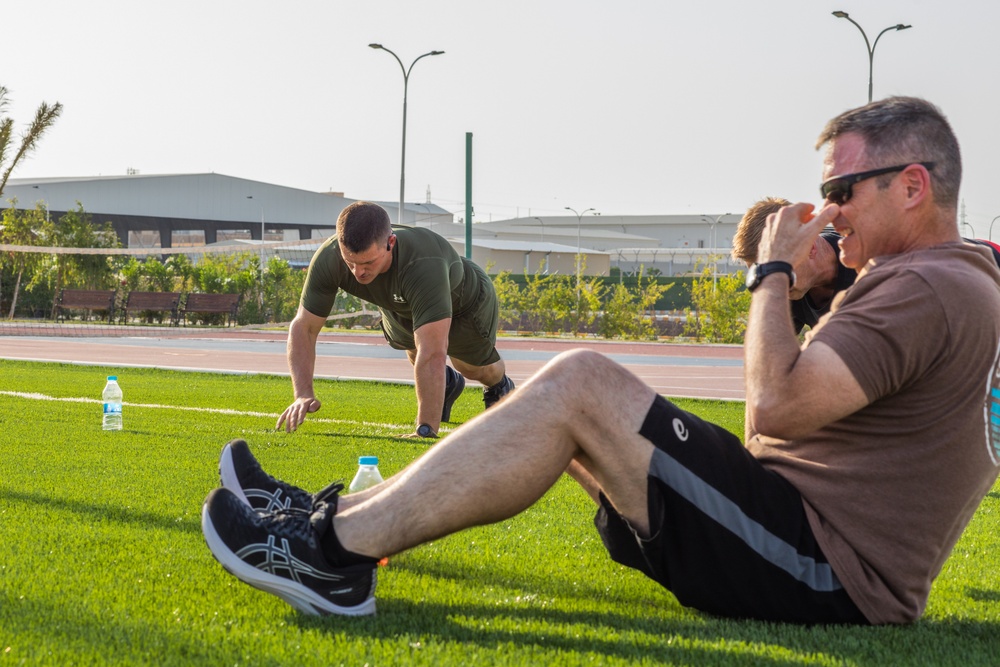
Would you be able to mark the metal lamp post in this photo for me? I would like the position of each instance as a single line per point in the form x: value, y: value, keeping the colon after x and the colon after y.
x: 261, y: 256
x: 406, y: 81
x: 540, y: 222
x: 715, y: 264
x: 579, y: 217
x: 868, y: 45
x: 991, y: 227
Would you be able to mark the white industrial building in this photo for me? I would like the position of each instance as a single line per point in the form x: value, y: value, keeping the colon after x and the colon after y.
x: 175, y: 210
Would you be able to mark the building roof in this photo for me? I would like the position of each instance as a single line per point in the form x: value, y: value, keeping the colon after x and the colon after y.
x: 213, y: 197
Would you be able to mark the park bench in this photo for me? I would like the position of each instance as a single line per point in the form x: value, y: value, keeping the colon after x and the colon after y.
x: 207, y: 304
x: 151, y: 301
x: 86, y: 299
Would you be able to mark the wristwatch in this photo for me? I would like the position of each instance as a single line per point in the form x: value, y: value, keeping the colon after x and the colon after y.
x: 757, y: 272
x: 425, y: 431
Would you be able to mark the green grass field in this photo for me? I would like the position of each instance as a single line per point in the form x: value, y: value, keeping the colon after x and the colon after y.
x: 102, y: 560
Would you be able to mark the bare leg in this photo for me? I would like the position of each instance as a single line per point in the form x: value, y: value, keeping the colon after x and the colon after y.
x: 485, y: 375
x: 584, y: 479
x: 581, y: 405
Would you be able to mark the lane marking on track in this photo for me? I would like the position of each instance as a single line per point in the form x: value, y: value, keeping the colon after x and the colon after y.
x: 218, y: 411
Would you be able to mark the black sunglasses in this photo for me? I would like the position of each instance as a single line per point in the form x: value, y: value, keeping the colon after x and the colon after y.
x: 838, y: 190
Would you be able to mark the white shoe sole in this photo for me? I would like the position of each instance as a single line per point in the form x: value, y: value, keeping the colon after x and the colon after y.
x: 227, y: 473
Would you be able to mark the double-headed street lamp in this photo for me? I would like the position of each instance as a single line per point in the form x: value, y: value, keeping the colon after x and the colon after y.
x: 579, y: 216
x: 868, y: 45
x: 406, y: 81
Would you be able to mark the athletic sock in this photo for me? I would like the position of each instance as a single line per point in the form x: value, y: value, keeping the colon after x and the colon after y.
x: 337, y: 555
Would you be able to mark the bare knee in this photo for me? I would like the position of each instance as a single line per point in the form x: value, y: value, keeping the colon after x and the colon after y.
x: 584, y: 378
x: 581, y: 368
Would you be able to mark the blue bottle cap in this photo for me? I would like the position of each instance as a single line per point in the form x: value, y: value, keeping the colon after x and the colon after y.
x: 112, y: 378
x: 367, y: 460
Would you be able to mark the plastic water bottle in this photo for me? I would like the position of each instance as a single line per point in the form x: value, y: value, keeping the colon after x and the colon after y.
x: 367, y: 475
x: 112, y: 404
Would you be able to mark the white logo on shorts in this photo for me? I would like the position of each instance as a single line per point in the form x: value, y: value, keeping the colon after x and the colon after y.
x: 680, y: 429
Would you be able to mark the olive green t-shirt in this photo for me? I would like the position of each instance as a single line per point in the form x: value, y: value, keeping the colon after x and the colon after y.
x: 427, y: 281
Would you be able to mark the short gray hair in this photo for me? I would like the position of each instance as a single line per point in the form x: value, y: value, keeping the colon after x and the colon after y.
x: 905, y: 130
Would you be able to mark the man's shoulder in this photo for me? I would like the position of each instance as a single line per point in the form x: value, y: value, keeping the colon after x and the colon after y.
x: 419, y: 243
x: 953, y: 274
x: 956, y: 259
x: 404, y: 231
x: 329, y: 244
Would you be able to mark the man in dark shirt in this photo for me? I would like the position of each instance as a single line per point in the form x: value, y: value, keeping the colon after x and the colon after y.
x: 434, y: 303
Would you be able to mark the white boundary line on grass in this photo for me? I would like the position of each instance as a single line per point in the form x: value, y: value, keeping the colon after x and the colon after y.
x: 218, y: 411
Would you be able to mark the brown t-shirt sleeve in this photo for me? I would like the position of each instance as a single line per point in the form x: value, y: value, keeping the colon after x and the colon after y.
x: 882, y: 333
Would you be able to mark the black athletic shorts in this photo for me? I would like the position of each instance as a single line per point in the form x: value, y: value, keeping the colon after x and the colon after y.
x: 728, y: 536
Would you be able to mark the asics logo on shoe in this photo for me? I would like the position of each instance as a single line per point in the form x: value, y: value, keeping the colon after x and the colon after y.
x: 276, y: 559
x: 269, y: 501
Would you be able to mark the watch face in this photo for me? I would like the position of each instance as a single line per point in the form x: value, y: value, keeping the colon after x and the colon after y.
x: 752, y: 276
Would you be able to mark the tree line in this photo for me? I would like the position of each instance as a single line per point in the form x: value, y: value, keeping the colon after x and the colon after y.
x: 30, y: 282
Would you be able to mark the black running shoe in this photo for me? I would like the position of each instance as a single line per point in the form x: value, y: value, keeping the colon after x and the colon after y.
x: 493, y: 394
x: 242, y: 475
x: 454, y: 385
x: 280, y: 553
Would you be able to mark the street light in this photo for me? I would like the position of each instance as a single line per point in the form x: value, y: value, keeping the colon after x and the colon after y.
x: 406, y: 81
x: 870, y: 46
x: 579, y: 216
x: 261, y: 255
x: 715, y: 264
x: 991, y: 227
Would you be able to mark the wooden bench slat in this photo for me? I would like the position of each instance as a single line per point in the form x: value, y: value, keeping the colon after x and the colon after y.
x: 156, y: 301
x: 86, y: 300
x: 212, y: 303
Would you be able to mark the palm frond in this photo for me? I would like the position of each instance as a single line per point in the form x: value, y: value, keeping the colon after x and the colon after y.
x: 45, y: 116
x: 6, y: 130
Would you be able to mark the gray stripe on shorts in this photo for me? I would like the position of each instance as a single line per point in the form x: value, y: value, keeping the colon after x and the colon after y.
x: 817, y: 576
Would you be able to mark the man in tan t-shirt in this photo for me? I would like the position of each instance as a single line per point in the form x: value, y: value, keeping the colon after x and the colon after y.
x: 873, y: 442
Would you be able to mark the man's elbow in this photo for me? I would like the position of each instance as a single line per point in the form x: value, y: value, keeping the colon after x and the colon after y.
x: 775, y: 418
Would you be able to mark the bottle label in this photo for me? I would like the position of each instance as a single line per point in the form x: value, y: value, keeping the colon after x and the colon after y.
x: 112, y: 408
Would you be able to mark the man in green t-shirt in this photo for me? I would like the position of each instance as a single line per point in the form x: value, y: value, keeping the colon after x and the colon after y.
x: 434, y: 304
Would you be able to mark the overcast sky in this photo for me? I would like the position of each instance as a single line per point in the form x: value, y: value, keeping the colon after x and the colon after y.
x: 652, y: 107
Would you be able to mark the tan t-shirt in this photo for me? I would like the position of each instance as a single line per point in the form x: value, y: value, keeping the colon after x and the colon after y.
x: 889, y: 489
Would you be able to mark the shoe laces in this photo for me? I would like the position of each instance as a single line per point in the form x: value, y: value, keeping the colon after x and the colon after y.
x: 329, y: 494
x: 289, y: 522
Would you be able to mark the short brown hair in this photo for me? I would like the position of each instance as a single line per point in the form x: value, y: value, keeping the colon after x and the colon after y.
x: 361, y: 224
x: 751, y: 228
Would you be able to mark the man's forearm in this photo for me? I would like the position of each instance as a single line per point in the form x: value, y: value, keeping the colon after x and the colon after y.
x: 770, y: 345
x: 429, y: 375
x: 301, y: 352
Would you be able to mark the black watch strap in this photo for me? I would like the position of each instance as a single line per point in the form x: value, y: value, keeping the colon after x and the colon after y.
x: 425, y: 431
x: 757, y: 273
